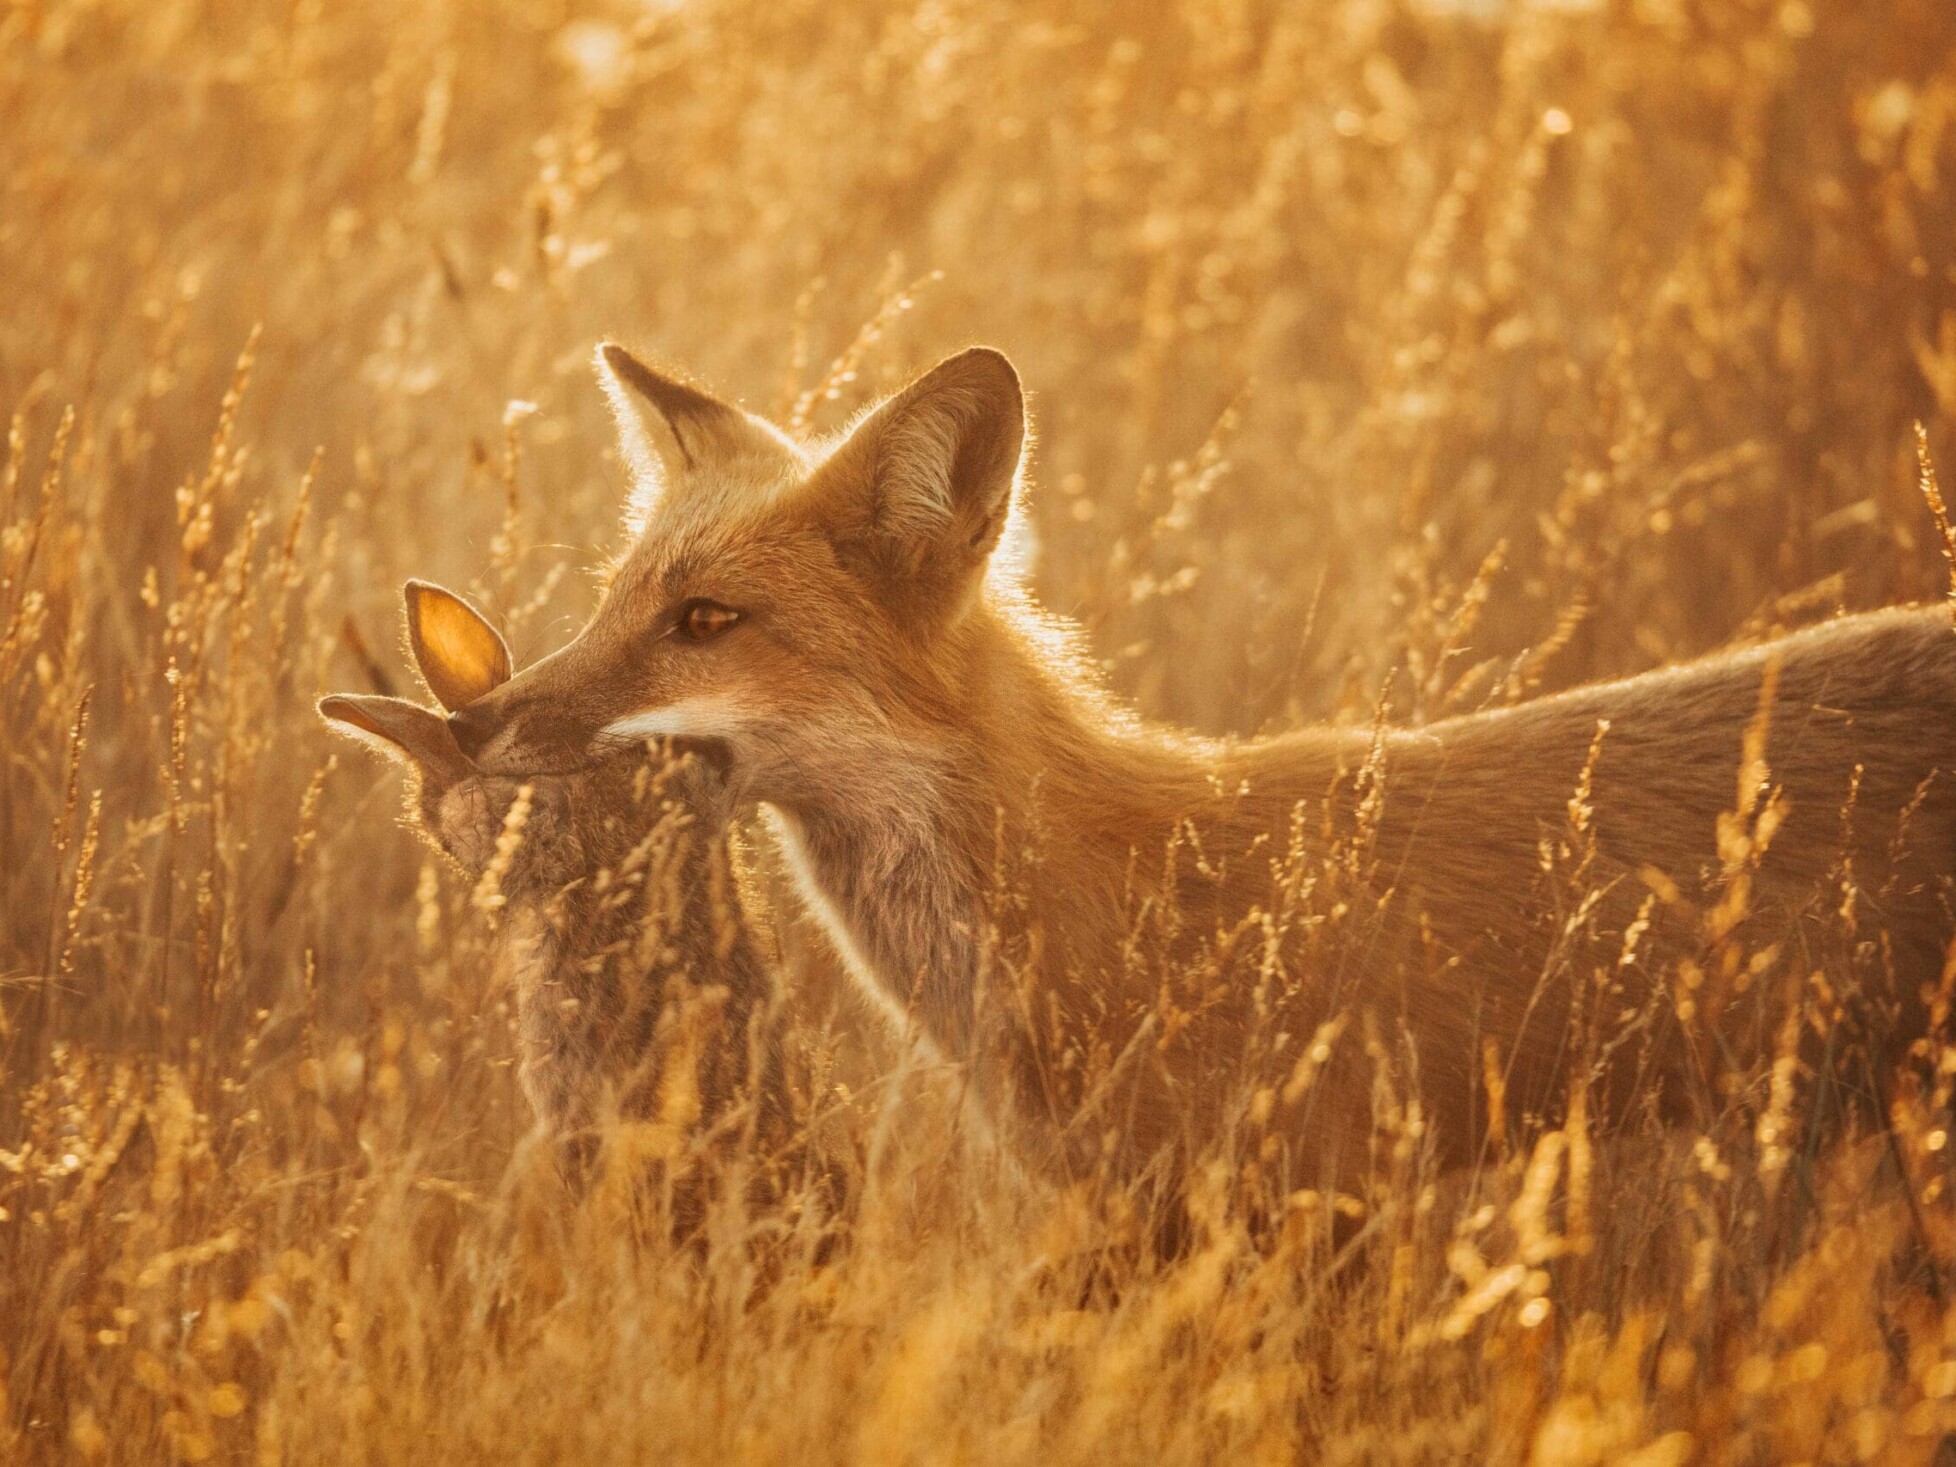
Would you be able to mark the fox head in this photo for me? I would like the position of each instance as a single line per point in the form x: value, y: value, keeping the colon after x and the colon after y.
x: 778, y: 599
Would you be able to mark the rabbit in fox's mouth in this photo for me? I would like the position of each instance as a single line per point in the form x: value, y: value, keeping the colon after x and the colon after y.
x: 621, y: 920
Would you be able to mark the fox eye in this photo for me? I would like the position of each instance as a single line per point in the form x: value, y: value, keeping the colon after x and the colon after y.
x: 702, y: 621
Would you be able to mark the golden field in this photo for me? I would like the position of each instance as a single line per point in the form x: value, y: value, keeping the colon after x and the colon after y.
x: 1384, y: 356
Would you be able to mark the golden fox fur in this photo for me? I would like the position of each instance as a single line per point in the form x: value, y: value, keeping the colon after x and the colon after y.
x: 1124, y: 930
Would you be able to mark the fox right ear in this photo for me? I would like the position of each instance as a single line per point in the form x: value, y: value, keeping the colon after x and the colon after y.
x: 922, y: 489
x: 461, y: 656
x: 397, y: 728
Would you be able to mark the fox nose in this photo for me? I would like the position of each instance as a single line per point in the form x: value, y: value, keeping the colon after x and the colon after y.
x: 472, y: 727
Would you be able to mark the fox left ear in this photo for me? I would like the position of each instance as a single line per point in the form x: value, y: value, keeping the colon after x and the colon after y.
x: 673, y: 432
x: 926, y: 483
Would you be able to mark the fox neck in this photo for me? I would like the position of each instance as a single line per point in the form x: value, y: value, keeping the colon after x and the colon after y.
x: 911, y: 846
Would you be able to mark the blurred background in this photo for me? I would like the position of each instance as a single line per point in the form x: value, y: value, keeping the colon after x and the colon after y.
x: 1618, y: 313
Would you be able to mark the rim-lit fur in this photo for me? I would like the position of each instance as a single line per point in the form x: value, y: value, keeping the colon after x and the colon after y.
x: 1123, y: 928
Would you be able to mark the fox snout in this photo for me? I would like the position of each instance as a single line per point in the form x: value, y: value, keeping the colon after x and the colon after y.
x: 547, y: 719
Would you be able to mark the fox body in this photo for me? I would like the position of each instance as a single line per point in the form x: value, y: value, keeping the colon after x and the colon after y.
x: 1122, y: 928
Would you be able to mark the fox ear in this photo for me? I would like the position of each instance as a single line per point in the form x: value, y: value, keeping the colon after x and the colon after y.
x: 925, y: 484
x: 672, y: 431
x: 460, y: 655
x: 397, y: 728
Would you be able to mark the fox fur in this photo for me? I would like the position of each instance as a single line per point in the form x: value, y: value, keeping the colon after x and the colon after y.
x: 1131, y: 934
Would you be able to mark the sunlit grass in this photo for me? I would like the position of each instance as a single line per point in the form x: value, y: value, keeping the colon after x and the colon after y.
x: 1465, y: 351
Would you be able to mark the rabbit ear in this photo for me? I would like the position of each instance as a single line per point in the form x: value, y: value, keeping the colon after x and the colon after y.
x: 460, y: 655
x: 397, y: 728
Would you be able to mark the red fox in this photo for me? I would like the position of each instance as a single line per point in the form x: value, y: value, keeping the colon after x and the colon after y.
x: 1126, y: 930
x: 641, y: 983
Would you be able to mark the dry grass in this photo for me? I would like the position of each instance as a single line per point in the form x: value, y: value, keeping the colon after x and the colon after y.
x: 1490, y: 351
